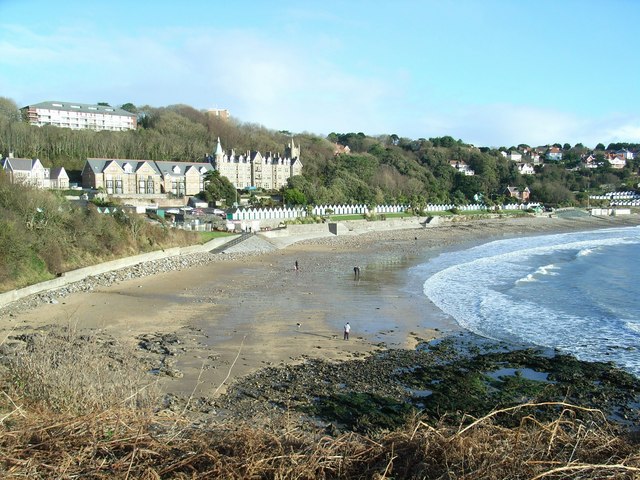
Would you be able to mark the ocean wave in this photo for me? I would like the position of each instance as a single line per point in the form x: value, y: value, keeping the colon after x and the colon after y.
x: 548, y: 269
x: 633, y: 326
x: 497, y: 290
x: 529, y: 278
x: 541, y: 271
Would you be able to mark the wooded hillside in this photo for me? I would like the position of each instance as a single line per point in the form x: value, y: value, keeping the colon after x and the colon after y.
x: 378, y: 170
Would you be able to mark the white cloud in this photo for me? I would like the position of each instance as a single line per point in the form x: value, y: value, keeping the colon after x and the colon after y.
x: 279, y: 82
x: 508, y: 125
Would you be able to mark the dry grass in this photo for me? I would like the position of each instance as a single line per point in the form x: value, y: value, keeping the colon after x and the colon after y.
x: 70, y: 407
x: 63, y: 372
x: 119, y: 444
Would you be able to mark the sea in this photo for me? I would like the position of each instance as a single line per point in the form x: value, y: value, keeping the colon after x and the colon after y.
x: 574, y: 292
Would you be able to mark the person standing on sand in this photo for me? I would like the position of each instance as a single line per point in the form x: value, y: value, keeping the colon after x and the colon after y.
x: 296, y: 265
x: 356, y: 273
x: 347, y: 329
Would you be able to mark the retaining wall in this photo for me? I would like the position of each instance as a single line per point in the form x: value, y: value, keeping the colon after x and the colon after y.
x: 82, y: 273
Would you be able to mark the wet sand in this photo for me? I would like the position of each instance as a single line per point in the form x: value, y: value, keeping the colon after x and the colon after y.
x: 236, y: 316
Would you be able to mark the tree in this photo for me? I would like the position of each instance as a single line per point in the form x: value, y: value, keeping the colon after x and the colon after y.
x: 600, y: 146
x: 9, y: 109
x: 129, y: 107
x: 566, y: 146
x: 218, y: 188
x: 293, y: 196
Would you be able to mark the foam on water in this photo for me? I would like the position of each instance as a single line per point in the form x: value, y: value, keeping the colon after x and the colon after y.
x: 544, y: 270
x: 573, y: 292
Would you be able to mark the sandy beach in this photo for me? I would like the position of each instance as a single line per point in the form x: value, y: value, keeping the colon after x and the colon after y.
x: 234, y: 316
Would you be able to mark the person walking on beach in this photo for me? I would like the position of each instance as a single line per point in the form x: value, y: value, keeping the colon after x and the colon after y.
x: 356, y: 273
x: 347, y: 329
x: 296, y: 265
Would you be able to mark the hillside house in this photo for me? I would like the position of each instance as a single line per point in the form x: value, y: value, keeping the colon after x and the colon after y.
x: 526, y: 169
x: 553, y: 154
x: 616, y: 162
x: 30, y: 171
x: 462, y: 167
x: 589, y: 161
x: 514, y: 156
x: 534, y: 157
x: 625, y: 154
x: 340, y: 149
x: 58, y: 178
x: 520, y: 195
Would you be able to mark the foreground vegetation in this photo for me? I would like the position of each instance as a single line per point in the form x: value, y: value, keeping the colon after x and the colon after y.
x: 116, y: 444
x: 69, y: 408
x: 42, y: 235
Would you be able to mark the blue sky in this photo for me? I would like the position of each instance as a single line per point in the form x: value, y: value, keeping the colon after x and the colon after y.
x: 491, y: 72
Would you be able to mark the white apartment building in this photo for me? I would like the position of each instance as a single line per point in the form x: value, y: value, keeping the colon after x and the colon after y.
x: 79, y: 116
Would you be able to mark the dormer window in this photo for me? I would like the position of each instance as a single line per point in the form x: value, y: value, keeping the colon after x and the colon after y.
x: 203, y: 170
x: 176, y: 169
x: 127, y: 168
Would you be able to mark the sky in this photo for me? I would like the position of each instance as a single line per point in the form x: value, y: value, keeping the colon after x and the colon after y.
x: 489, y: 72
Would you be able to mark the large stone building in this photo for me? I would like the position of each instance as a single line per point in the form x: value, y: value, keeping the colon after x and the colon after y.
x: 79, y: 116
x: 254, y: 170
x: 144, y: 177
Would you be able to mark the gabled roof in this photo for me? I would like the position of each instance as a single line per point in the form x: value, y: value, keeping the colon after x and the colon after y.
x: 97, y: 165
x: 58, y: 172
x: 22, y: 164
x: 165, y: 167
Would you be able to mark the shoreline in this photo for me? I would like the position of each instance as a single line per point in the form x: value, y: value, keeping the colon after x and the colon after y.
x: 205, y: 326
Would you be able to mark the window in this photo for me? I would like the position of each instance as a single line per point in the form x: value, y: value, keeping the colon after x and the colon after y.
x: 150, y: 185
x: 142, y: 186
x: 119, y: 185
x: 109, y: 186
